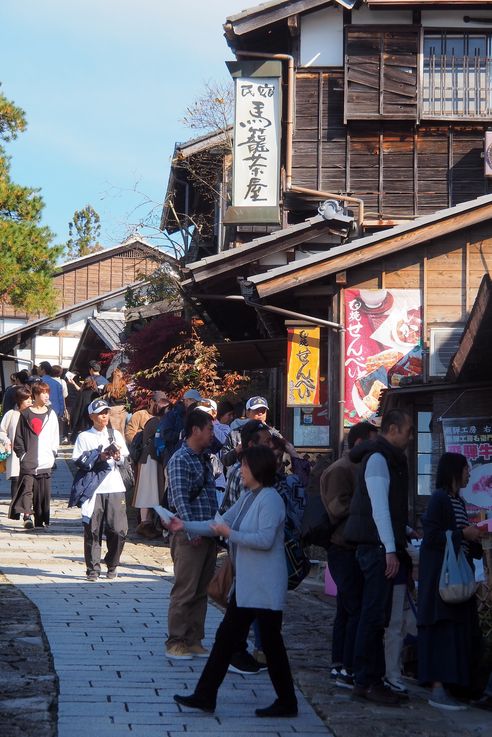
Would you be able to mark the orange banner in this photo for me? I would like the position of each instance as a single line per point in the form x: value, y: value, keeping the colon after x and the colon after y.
x: 303, y: 367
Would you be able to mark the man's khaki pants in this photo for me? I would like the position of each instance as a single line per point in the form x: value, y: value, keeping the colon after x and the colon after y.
x: 194, y: 566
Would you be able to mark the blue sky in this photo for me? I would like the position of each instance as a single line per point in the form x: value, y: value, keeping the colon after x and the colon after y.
x: 104, y: 85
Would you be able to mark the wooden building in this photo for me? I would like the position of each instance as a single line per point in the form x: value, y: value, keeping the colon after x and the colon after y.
x: 86, y: 286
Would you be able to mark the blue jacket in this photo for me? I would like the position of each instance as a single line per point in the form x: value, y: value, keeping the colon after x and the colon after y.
x: 56, y: 395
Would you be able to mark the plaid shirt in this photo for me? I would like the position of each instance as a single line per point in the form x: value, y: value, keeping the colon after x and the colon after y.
x: 188, y: 473
x: 234, y: 487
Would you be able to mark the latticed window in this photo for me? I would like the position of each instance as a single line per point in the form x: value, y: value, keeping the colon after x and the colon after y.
x: 457, y: 75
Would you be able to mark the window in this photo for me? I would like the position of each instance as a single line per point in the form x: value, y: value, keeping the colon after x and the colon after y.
x: 424, y: 454
x: 457, y: 75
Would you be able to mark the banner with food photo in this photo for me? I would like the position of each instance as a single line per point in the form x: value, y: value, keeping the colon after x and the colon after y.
x: 472, y: 437
x: 383, y: 346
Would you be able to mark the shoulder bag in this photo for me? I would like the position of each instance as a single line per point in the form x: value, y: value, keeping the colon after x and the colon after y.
x: 457, y: 581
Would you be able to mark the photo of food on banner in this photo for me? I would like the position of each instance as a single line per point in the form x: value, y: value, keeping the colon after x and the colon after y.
x: 383, y: 347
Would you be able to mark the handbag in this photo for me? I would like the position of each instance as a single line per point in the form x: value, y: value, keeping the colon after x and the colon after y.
x: 457, y: 581
x: 220, y: 586
x: 298, y: 564
x: 317, y: 528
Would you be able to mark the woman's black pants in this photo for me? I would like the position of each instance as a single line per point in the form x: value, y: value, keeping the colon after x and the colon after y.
x: 232, y: 631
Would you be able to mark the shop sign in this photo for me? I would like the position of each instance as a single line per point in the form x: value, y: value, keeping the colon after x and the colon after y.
x: 472, y: 437
x: 303, y: 362
x: 383, y: 346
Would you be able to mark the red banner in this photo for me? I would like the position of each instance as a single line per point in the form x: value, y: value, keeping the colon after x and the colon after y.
x: 382, y: 346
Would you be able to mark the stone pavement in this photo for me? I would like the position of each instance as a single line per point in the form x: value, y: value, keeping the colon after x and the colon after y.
x: 106, y: 641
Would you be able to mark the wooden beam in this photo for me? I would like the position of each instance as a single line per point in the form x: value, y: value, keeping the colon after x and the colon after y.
x: 349, y: 260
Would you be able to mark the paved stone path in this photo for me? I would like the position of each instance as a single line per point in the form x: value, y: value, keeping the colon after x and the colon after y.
x: 107, y: 640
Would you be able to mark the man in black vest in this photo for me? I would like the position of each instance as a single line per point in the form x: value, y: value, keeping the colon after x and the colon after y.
x: 377, y: 525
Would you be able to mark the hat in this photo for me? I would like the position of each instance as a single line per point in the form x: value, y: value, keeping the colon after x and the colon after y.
x: 256, y: 403
x: 192, y: 394
x: 207, y: 405
x: 97, y: 406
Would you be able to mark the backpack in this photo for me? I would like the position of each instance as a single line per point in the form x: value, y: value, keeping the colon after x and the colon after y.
x: 135, y: 448
x: 298, y: 563
x: 316, y: 528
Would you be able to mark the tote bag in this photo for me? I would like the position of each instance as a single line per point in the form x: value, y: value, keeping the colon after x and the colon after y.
x: 457, y: 581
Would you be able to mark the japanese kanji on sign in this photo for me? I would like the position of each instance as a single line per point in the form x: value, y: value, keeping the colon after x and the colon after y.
x: 472, y: 437
x: 303, y: 367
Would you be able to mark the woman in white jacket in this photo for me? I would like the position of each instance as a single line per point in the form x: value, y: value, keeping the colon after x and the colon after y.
x: 254, y: 527
x: 8, y: 426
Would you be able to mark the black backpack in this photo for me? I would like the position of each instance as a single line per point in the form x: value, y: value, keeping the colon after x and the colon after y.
x: 316, y: 526
x: 136, y: 447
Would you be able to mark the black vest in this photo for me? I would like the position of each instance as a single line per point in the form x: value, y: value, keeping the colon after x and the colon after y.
x: 361, y: 528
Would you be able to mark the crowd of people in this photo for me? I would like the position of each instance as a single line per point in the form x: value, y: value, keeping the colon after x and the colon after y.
x: 214, y: 475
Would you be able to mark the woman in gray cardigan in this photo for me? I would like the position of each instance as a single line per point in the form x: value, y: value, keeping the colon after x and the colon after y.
x: 254, y: 526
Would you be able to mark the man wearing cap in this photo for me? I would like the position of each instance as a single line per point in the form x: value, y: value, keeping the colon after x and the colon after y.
x: 105, y: 511
x: 256, y: 409
x: 94, y: 372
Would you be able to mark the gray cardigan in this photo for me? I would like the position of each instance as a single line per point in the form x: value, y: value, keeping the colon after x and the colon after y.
x: 261, y: 568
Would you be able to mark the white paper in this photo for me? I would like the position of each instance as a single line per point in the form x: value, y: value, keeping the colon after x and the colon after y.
x: 164, y: 513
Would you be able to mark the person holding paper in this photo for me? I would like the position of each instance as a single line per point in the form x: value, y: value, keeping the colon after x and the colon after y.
x: 254, y: 527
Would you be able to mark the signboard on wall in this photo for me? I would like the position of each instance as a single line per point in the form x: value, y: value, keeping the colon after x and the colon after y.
x: 256, y: 151
x: 383, y: 346
x: 472, y: 437
x: 303, y: 362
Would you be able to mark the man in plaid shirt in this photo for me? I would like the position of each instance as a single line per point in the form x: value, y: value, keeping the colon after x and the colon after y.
x: 192, y: 494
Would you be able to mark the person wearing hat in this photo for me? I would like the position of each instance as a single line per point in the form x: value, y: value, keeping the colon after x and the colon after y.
x: 105, y: 511
x: 256, y: 409
x: 172, y: 425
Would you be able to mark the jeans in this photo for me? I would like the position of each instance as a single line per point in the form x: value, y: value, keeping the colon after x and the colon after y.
x: 369, y: 662
x: 348, y: 578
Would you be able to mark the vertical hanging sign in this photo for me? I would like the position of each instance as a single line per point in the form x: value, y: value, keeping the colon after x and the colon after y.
x: 303, y: 367
x: 256, y: 153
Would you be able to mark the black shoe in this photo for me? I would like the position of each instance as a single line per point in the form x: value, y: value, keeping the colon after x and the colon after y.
x: 112, y: 573
x: 244, y: 663
x: 377, y: 693
x: 92, y: 576
x: 194, y: 702
x: 277, y: 710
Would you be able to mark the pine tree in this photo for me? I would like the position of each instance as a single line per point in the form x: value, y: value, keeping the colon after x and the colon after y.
x: 83, y: 233
x: 27, y: 258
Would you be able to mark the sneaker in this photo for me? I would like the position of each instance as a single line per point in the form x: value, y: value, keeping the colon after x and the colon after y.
x: 440, y: 699
x: 344, y: 679
x: 244, y: 663
x: 28, y: 523
x: 396, y: 686
x: 377, y: 694
x: 198, y: 650
x: 178, y: 651
x: 92, y: 576
x: 335, y: 671
x: 112, y: 574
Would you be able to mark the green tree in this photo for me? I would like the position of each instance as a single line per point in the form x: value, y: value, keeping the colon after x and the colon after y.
x: 27, y: 258
x: 83, y: 233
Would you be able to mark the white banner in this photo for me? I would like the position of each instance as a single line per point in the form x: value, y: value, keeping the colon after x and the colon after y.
x: 256, y: 142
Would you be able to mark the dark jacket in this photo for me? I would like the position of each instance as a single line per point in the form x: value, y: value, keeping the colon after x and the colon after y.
x: 361, y: 528
x: 438, y: 518
x: 337, y: 486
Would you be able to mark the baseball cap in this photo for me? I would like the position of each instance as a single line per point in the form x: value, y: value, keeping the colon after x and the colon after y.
x: 192, y: 394
x: 207, y: 405
x: 97, y: 406
x: 256, y: 403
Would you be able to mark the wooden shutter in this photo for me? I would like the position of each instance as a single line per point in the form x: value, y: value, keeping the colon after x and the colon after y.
x: 381, y: 73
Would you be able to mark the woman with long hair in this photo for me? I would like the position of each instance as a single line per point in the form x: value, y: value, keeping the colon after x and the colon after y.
x: 80, y: 416
x: 254, y: 528
x: 116, y: 395
x: 449, y: 641
x: 8, y: 426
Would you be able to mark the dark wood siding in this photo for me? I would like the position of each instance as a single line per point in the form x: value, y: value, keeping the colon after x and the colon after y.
x: 381, y: 73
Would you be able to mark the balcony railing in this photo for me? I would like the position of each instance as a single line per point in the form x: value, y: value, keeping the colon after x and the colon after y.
x: 457, y: 87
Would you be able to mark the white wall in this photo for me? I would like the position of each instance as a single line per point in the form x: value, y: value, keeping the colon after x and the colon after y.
x: 322, y: 38
x: 454, y: 19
